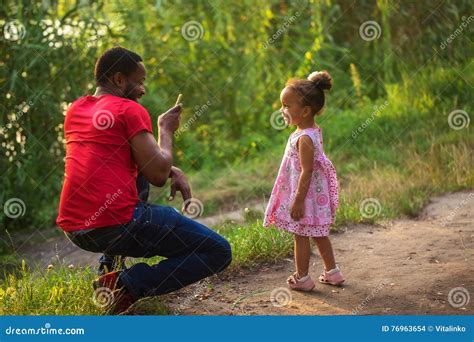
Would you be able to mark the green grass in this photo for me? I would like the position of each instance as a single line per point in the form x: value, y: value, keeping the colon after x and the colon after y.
x: 407, y: 154
x: 252, y: 244
x: 58, y: 291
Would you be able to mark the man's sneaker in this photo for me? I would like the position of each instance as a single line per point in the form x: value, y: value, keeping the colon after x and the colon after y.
x: 111, y: 294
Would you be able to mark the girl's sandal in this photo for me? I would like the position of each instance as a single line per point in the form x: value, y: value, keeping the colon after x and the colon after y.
x: 295, y: 284
x: 336, y: 278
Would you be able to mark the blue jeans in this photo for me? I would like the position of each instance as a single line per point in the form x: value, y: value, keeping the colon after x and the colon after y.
x: 193, y: 251
x: 108, y: 263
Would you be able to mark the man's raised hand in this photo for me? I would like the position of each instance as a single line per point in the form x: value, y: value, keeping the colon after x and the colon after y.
x: 169, y: 121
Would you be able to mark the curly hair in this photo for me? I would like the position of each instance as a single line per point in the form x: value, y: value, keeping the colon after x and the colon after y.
x: 312, y: 89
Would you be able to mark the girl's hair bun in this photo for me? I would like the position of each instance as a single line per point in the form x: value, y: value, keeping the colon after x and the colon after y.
x: 321, y: 79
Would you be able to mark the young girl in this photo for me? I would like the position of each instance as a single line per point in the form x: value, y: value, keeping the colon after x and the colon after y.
x: 305, y: 197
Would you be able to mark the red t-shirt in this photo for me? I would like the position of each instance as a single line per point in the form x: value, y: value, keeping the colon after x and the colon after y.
x: 99, y: 187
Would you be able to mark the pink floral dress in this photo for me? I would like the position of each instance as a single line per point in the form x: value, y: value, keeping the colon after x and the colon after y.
x: 321, y: 200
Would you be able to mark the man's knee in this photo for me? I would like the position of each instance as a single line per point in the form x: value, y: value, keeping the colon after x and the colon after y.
x: 222, y: 255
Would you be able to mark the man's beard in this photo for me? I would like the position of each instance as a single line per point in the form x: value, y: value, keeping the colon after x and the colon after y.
x: 129, y: 93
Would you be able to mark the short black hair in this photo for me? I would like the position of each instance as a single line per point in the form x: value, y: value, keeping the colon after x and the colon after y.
x: 116, y: 59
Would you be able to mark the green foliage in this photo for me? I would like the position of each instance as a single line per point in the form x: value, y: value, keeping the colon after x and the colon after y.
x: 40, y: 74
x: 236, y: 68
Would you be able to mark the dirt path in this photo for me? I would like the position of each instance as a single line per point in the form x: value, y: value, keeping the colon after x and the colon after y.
x: 407, y: 267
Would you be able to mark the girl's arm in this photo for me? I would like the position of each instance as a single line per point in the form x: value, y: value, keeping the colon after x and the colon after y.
x: 306, y: 152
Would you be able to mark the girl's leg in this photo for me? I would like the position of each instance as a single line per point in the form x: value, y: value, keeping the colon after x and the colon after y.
x: 302, y: 255
x: 325, y: 249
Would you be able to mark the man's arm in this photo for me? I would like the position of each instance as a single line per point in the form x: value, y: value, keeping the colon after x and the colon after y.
x: 154, y: 160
